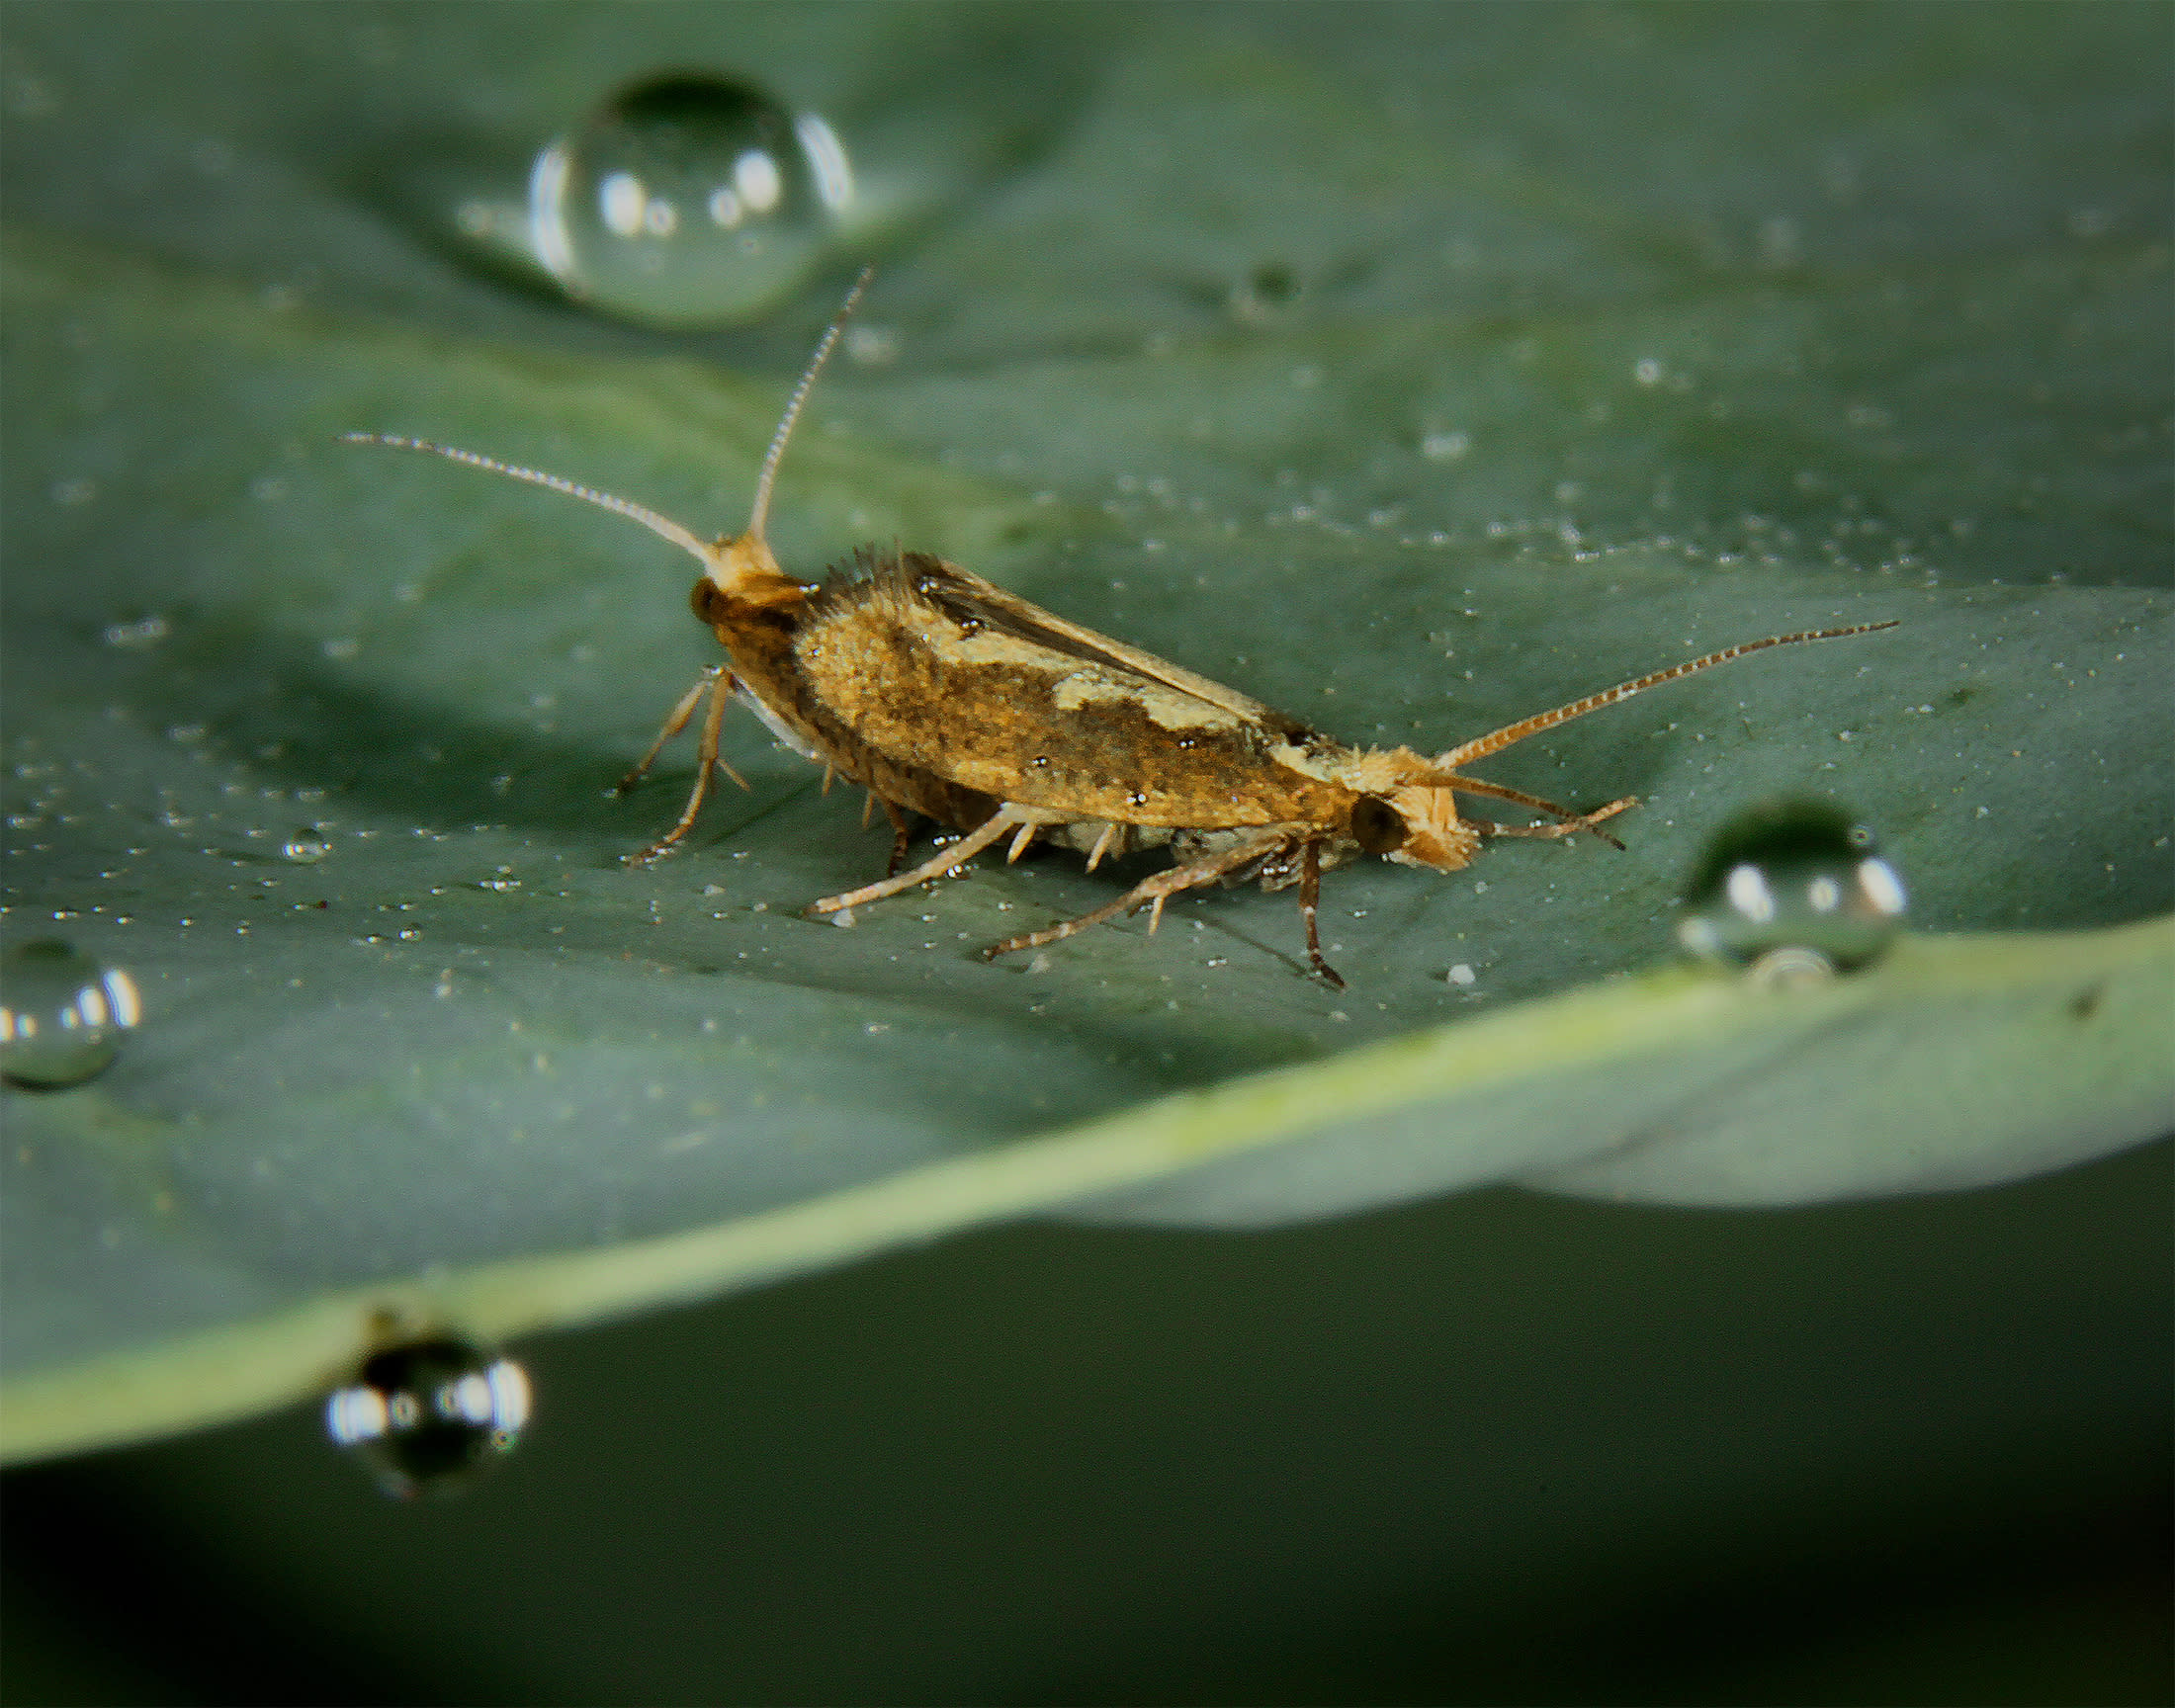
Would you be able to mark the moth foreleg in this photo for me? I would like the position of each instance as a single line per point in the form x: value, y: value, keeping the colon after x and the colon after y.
x: 944, y: 859
x: 1576, y: 821
x: 1570, y: 827
x: 1310, y: 901
x: 717, y: 683
x: 1153, y: 889
x: 674, y: 722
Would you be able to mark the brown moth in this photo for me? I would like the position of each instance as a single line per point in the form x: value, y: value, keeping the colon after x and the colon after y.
x: 947, y: 697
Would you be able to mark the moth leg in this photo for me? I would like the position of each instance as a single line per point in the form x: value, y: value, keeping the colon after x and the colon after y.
x: 901, y: 833
x: 706, y: 758
x: 1153, y: 889
x: 1570, y: 827
x: 1579, y: 821
x: 958, y: 854
x: 675, y: 721
x: 1028, y: 833
x: 1310, y: 898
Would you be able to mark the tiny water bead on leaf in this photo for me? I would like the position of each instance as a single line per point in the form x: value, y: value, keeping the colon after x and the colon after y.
x: 428, y: 1415
x: 687, y: 199
x: 61, y: 1014
x: 1792, y: 889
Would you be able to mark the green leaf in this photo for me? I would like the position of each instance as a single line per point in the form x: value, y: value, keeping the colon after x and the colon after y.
x: 1336, y: 401
x: 1677, y: 1087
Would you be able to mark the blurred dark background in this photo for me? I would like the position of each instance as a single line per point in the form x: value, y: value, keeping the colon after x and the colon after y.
x: 1497, y: 1449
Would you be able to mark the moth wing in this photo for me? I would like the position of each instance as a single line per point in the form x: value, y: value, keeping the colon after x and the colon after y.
x: 966, y: 596
x: 946, y: 675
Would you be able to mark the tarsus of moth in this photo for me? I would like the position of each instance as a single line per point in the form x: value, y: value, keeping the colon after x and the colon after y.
x: 948, y: 698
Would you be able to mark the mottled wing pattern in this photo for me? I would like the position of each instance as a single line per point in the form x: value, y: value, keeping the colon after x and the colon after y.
x: 966, y: 596
x: 944, y: 671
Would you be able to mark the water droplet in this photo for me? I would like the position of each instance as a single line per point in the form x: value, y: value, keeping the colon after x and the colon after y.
x: 61, y: 1014
x: 1793, y: 889
x: 428, y: 1415
x: 687, y: 199
x: 146, y: 631
x: 305, y: 848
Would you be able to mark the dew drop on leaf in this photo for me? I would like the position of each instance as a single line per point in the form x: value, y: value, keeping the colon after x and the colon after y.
x: 428, y: 1415
x: 61, y: 1014
x: 1793, y: 889
x: 687, y: 199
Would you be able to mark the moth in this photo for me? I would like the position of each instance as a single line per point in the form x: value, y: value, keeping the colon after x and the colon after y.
x: 950, y: 699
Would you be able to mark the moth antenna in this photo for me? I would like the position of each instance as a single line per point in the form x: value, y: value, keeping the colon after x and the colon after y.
x: 649, y: 518
x: 760, y: 513
x: 1496, y: 740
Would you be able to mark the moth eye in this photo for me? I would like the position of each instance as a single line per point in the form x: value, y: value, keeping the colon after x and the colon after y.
x: 706, y: 601
x: 1376, y: 825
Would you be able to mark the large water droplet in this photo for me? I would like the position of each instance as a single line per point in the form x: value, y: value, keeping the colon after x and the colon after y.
x: 61, y: 1014
x: 687, y: 199
x: 429, y: 1415
x: 1794, y: 891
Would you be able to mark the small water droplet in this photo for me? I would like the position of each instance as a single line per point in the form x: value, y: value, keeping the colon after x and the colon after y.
x: 687, y: 199
x: 428, y: 1415
x: 1793, y: 889
x: 61, y: 1014
x: 305, y: 848
x: 145, y: 632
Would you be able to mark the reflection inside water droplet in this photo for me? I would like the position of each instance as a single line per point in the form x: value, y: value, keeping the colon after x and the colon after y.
x: 428, y: 1415
x: 687, y: 199
x: 61, y: 1014
x: 1794, y: 891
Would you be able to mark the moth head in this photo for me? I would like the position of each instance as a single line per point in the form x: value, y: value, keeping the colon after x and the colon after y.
x: 1415, y: 824
x: 739, y: 560
x: 1402, y: 809
x: 743, y: 565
